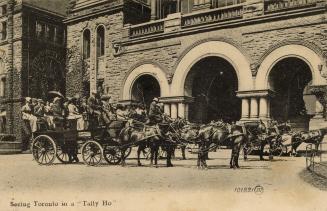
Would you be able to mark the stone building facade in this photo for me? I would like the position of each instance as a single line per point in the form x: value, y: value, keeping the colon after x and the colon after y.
x: 32, y: 59
x: 224, y: 59
x: 258, y: 59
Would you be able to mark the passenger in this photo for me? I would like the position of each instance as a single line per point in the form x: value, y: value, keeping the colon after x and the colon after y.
x: 93, y: 104
x: 73, y: 113
x: 57, y: 109
x: 140, y: 112
x: 120, y: 112
x: 155, y: 112
x: 48, y: 115
x: 27, y: 114
x: 108, y: 109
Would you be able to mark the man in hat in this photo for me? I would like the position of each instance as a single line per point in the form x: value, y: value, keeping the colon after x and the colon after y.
x: 27, y: 114
x: 95, y: 108
x: 155, y: 113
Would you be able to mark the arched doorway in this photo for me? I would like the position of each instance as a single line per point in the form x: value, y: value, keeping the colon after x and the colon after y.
x: 213, y: 83
x: 289, y: 78
x: 144, y: 89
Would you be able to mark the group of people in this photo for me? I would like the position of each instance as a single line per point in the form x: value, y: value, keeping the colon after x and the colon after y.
x: 60, y: 110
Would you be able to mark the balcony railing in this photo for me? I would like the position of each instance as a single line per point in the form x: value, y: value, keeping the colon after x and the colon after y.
x: 212, y: 16
x: 274, y: 6
x: 147, y: 29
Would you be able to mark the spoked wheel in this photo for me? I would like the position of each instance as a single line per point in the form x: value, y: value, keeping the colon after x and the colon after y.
x: 279, y: 150
x: 63, y: 156
x: 44, y: 150
x: 92, y: 153
x: 147, y: 153
x: 247, y: 151
x: 112, y: 154
x: 128, y: 152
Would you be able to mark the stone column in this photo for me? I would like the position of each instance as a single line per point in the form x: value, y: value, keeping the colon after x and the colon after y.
x: 263, y: 107
x: 245, y: 108
x: 167, y: 109
x: 178, y: 4
x: 254, y: 108
x: 181, y: 110
x: 186, y: 111
x: 153, y: 9
x: 268, y: 107
x: 173, y: 110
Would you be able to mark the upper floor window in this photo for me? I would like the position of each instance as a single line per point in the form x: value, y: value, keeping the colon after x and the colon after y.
x: 3, y: 87
x: 86, y: 44
x: 100, y: 41
x: 224, y: 3
x: 40, y: 30
x: 3, y: 10
x: 3, y: 30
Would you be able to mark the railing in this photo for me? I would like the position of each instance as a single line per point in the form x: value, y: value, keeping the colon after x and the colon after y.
x: 147, y: 29
x: 273, y: 6
x: 316, y: 156
x: 212, y: 16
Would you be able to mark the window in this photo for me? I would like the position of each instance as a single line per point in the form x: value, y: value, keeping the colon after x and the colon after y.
x: 86, y: 43
x: 3, y: 30
x: 224, y: 3
x: 100, y: 41
x: 3, y: 87
x: 40, y: 30
x: 4, y: 10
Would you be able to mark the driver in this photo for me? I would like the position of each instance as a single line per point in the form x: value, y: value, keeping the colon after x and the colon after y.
x: 155, y: 112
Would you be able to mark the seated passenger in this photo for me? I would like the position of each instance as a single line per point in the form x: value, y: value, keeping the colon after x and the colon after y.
x: 120, y: 112
x: 27, y: 114
x: 73, y: 113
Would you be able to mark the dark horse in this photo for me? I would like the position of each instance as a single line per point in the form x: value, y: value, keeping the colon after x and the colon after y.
x: 310, y: 137
x: 137, y: 135
x: 259, y: 135
x: 169, y: 139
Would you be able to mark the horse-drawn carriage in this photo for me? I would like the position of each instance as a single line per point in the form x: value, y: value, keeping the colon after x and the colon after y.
x: 64, y: 141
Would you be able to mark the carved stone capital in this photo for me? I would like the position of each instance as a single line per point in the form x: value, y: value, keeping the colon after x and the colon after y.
x: 118, y: 48
x: 254, y: 69
x: 169, y: 77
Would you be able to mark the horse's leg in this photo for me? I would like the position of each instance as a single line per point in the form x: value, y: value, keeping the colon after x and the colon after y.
x: 183, y: 152
x: 199, y: 156
x: 237, y: 154
x: 270, y: 151
x: 122, y: 156
x: 156, y: 154
x: 245, y: 151
x: 151, y: 154
x: 169, y: 153
x: 262, y: 146
x: 138, y: 155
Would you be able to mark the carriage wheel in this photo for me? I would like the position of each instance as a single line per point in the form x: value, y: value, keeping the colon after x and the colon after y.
x: 147, y: 153
x: 128, y: 152
x: 278, y: 151
x: 44, y: 150
x: 92, y: 153
x: 63, y: 156
x: 248, y: 151
x: 112, y: 155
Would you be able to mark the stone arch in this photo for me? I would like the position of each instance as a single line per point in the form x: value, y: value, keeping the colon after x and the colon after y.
x: 222, y: 49
x: 306, y: 54
x: 145, y: 68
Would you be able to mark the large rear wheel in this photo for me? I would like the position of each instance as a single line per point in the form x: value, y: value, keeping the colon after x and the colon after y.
x: 92, y: 153
x: 62, y: 155
x: 112, y: 154
x: 44, y: 150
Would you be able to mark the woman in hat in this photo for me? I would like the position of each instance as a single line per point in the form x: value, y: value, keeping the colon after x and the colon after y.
x: 27, y: 114
x: 75, y: 114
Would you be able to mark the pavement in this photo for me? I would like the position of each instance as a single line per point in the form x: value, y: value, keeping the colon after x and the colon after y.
x: 267, y: 185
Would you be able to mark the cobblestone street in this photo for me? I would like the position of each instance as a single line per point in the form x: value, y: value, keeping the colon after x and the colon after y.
x: 126, y: 186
